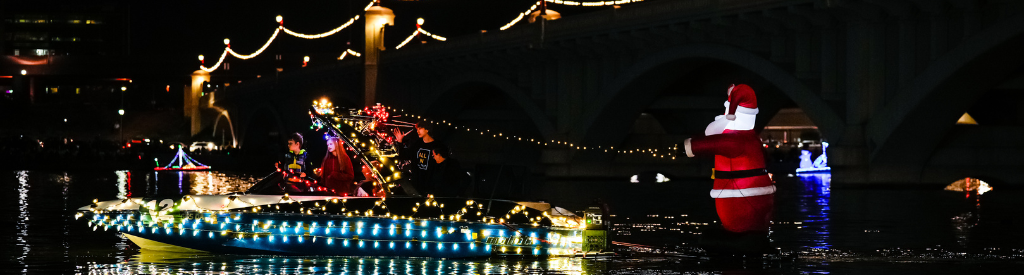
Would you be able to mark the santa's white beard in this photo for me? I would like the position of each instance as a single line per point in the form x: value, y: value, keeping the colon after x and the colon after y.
x: 743, y: 122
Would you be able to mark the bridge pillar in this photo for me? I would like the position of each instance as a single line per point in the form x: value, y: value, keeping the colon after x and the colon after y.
x: 376, y: 17
x: 192, y: 100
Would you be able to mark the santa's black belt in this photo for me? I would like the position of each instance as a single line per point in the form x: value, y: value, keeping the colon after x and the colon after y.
x: 715, y: 174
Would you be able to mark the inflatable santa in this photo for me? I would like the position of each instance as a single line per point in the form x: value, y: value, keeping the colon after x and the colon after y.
x: 743, y: 191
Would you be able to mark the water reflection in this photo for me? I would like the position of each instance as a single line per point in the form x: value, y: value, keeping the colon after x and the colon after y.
x: 966, y: 220
x: 214, y: 183
x: 23, y: 216
x: 815, y: 204
x: 175, y: 263
x: 825, y: 230
x: 124, y: 184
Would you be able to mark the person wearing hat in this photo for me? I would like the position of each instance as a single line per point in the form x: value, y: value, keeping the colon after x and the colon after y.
x: 743, y: 192
x: 420, y: 153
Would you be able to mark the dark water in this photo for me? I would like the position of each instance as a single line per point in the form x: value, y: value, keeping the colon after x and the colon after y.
x: 817, y: 229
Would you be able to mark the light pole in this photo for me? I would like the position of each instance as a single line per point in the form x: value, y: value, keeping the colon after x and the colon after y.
x: 120, y: 113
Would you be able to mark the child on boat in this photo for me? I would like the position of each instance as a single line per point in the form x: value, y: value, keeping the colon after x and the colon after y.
x: 336, y: 171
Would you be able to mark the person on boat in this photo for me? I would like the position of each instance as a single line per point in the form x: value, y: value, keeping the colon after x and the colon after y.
x: 370, y: 185
x: 419, y: 152
x: 743, y: 192
x: 336, y: 170
x: 449, y: 179
x: 292, y: 164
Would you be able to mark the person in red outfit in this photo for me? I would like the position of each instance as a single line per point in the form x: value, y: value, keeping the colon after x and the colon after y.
x: 336, y: 171
x: 742, y: 190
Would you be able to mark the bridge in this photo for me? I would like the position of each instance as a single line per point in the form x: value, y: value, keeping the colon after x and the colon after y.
x: 883, y: 80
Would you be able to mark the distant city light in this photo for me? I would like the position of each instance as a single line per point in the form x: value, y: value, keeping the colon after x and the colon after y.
x: 120, y: 112
x: 123, y: 88
x: 227, y: 41
x: 24, y: 72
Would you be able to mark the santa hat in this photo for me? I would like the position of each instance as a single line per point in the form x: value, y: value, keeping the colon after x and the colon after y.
x: 740, y: 96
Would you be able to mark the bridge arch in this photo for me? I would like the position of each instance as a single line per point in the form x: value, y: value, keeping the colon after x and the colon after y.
x: 637, y: 88
x: 485, y: 101
x: 919, y: 117
x: 259, y: 120
x: 435, y: 102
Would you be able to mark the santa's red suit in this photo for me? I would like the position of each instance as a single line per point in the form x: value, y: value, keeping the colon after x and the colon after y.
x: 743, y: 191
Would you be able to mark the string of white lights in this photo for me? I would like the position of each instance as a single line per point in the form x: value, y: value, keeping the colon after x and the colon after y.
x: 321, y: 35
x: 653, y: 152
x: 592, y: 4
x: 407, y: 39
x: 210, y: 69
x: 280, y: 20
x: 349, y: 52
x: 258, y: 52
x: 520, y: 17
x: 441, y: 38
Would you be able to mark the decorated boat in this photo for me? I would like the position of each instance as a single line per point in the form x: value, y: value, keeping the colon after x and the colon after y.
x: 183, y: 162
x: 268, y: 219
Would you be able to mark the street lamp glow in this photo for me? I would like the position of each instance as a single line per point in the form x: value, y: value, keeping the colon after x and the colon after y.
x: 24, y: 72
x: 120, y: 112
x: 227, y: 41
x: 123, y: 88
x: 201, y: 57
x: 419, y: 21
x: 305, y: 59
x: 279, y: 19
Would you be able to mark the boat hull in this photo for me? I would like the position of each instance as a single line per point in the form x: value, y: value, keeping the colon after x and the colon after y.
x: 244, y: 231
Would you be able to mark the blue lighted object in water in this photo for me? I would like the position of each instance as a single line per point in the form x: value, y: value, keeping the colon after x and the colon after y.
x: 820, y: 165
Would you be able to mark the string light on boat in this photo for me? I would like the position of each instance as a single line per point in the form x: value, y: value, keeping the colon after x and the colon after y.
x: 498, y: 135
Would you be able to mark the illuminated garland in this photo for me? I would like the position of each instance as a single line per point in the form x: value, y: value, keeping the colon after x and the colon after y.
x: 344, y: 211
x: 280, y: 27
x: 320, y: 35
x: 653, y: 152
x: 419, y: 30
x: 180, y: 228
x: 262, y: 225
x: 593, y: 4
x: 349, y: 52
x: 520, y: 17
x: 567, y: 3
